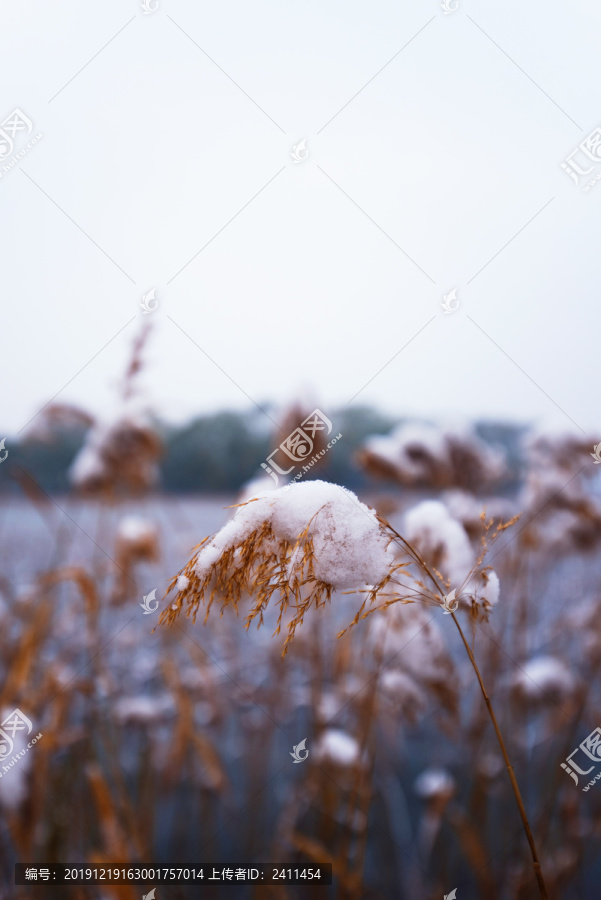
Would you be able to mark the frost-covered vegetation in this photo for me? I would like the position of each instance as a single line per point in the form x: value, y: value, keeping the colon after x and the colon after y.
x: 408, y: 608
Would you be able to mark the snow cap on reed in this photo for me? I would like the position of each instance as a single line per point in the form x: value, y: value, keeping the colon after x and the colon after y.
x: 433, y: 783
x: 440, y: 538
x: 337, y: 747
x: 350, y: 548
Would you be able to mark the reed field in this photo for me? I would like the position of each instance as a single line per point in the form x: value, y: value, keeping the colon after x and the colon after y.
x: 169, y: 740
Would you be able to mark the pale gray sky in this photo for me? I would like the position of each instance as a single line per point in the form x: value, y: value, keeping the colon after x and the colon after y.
x: 156, y: 170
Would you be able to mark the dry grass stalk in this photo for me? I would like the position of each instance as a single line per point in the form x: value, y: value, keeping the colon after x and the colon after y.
x: 260, y: 566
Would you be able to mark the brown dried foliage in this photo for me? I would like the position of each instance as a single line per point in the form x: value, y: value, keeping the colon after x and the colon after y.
x: 261, y: 566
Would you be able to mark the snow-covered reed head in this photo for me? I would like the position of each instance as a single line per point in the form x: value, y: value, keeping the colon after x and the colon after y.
x: 338, y: 748
x: 544, y: 681
x: 136, y: 541
x: 120, y: 453
x: 414, y: 654
x: 299, y: 544
x: 415, y: 454
x: 119, y: 456
x: 303, y: 543
x: 435, y: 783
x: 564, y: 512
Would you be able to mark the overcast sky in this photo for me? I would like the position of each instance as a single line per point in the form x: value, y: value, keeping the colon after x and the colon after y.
x: 434, y: 143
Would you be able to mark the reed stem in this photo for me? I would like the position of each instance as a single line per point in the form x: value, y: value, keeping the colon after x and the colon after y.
x: 514, y: 784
